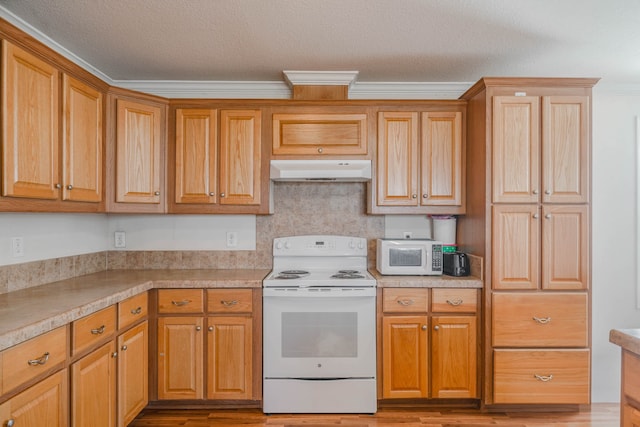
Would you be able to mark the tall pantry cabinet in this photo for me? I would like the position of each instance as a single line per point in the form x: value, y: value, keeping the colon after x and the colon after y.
x: 528, y: 215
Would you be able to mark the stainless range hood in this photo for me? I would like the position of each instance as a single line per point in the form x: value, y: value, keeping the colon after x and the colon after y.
x: 321, y: 170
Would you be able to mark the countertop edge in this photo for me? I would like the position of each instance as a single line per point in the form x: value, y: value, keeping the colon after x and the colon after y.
x: 627, y: 339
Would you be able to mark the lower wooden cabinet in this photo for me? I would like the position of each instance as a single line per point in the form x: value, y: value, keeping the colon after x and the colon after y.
x: 43, y: 405
x: 453, y: 357
x: 93, y: 388
x: 214, y: 363
x: 133, y: 372
x: 630, y: 416
x: 229, y: 357
x: 180, y: 357
x: 429, y: 343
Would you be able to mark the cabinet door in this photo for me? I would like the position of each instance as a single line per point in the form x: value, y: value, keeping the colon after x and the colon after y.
x: 516, y: 149
x: 516, y: 247
x: 240, y: 157
x: 565, y: 247
x: 397, y: 159
x: 229, y: 356
x: 180, y: 358
x: 566, y: 149
x: 82, y: 162
x: 453, y: 357
x: 196, y: 156
x: 441, y: 159
x: 404, y: 357
x: 133, y: 373
x: 43, y: 405
x: 30, y: 141
x: 630, y: 416
x: 138, y: 145
x: 93, y: 388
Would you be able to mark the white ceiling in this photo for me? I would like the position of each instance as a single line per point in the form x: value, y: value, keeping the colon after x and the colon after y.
x: 385, y: 40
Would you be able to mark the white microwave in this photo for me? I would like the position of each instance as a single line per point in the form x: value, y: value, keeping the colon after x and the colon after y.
x: 409, y: 257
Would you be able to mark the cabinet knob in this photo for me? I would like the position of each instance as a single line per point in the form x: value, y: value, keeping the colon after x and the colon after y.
x: 437, y: 328
x: 123, y: 348
x: 212, y: 194
x: 11, y: 423
x: 424, y: 327
x: 535, y: 216
x: 547, y: 216
x: 198, y: 328
x: 58, y: 186
x: 535, y: 191
x: 425, y: 196
x: 211, y: 328
x: 320, y: 150
x: 221, y: 194
x: 414, y: 196
x: 114, y: 354
x: 156, y: 193
x: 547, y: 192
x: 69, y: 187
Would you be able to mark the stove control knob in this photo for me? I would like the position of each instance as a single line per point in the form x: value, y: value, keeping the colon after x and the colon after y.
x: 287, y: 245
x: 361, y: 245
x: 352, y: 244
x: 278, y: 245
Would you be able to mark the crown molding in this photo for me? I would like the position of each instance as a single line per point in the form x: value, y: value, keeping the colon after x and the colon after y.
x: 320, y: 78
x: 209, y: 89
x: 408, y: 90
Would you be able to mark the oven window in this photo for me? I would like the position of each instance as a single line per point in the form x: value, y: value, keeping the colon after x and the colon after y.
x: 320, y: 334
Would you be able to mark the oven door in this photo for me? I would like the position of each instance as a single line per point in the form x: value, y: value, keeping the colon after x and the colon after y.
x: 319, y: 332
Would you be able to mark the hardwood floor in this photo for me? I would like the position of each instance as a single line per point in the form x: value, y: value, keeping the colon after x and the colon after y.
x: 598, y: 415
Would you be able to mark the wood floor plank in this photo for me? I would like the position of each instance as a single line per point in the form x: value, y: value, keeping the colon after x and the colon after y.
x: 597, y: 415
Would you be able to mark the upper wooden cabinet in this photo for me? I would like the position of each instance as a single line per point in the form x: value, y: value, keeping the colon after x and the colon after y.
x: 36, y: 164
x: 82, y: 151
x: 318, y: 134
x: 541, y: 149
x: 219, y: 162
x: 420, y: 163
x: 30, y: 117
x: 136, y: 159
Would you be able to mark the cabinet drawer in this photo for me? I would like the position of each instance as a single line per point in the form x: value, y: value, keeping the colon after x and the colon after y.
x: 444, y: 300
x: 229, y: 301
x: 540, y: 320
x: 132, y: 309
x: 405, y: 300
x: 89, y: 330
x: 541, y: 376
x: 32, y: 358
x: 180, y: 301
x: 631, y: 375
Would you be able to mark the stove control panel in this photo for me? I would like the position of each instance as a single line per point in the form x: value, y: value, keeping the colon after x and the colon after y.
x: 320, y: 246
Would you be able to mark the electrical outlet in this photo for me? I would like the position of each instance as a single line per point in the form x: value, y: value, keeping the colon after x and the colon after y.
x: 17, y: 246
x: 407, y: 234
x: 232, y: 239
x: 120, y: 239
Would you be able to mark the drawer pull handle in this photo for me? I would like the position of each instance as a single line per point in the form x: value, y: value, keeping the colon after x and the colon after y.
x: 405, y: 302
x: 11, y: 422
x: 98, y: 331
x: 40, y: 361
x: 542, y: 320
x: 543, y: 378
x: 229, y: 303
x: 136, y: 310
x: 455, y: 302
x: 181, y: 303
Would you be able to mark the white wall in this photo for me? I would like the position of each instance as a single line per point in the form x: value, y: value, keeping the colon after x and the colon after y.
x: 51, y: 235
x: 614, y: 223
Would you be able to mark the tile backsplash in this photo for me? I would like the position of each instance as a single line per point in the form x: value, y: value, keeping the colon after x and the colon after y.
x: 299, y: 208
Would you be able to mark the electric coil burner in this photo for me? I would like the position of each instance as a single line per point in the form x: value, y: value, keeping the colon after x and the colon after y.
x: 319, y: 308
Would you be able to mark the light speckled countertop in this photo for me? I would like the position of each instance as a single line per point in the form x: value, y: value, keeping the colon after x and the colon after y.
x: 628, y: 339
x: 30, y: 312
